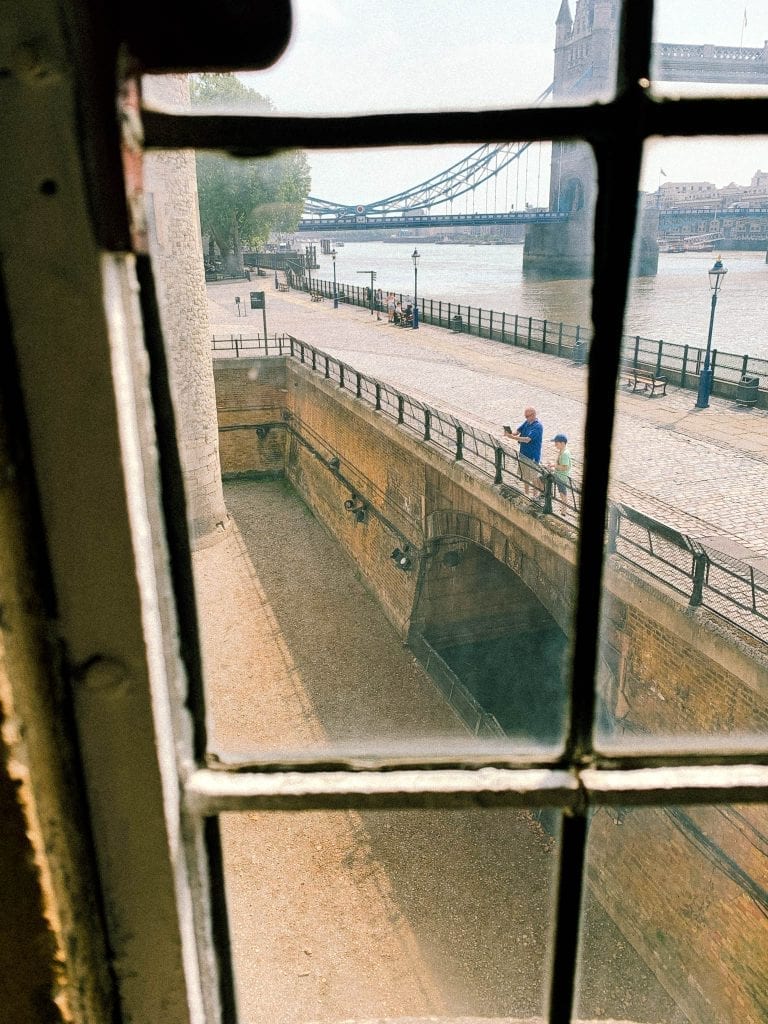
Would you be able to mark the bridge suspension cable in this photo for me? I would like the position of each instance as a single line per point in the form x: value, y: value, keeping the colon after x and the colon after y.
x: 465, y: 176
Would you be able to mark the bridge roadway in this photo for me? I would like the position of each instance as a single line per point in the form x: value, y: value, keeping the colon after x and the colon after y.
x: 702, y: 471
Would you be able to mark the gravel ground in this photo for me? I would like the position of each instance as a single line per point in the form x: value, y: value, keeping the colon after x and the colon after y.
x: 424, y: 915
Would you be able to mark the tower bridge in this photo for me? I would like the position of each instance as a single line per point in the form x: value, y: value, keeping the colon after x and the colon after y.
x: 559, y: 232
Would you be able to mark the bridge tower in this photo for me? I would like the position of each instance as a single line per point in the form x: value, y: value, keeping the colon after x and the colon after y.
x: 585, y: 70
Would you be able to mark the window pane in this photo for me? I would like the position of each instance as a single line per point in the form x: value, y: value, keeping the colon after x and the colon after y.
x: 484, y: 604
x: 685, y: 620
x: 433, y: 56
x: 710, y: 47
x: 686, y: 886
x: 353, y: 916
x: 435, y: 615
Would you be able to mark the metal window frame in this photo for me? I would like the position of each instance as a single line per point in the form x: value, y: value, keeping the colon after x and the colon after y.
x: 580, y: 778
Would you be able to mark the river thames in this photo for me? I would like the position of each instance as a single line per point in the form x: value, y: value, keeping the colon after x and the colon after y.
x: 673, y: 306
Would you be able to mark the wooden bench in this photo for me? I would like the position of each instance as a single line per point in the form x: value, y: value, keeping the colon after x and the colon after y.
x: 282, y: 287
x: 645, y: 380
x: 316, y: 297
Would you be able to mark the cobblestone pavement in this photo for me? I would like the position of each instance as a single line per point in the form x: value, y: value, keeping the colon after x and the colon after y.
x: 703, y: 471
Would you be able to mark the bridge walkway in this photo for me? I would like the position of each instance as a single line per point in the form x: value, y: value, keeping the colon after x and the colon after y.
x: 702, y: 471
x: 429, y: 914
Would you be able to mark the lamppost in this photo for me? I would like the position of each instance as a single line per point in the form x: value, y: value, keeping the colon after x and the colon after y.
x: 415, y: 257
x: 716, y: 275
x: 335, y: 296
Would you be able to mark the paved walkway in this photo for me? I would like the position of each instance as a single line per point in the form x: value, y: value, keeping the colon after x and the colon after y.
x: 703, y: 471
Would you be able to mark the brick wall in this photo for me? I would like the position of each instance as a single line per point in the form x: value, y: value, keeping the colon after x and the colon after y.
x: 468, y: 596
x: 676, y: 672
x: 373, y: 465
x: 687, y: 887
x: 251, y: 396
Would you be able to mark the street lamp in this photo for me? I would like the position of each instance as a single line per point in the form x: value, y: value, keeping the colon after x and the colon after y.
x: 335, y: 296
x: 415, y: 257
x: 716, y: 275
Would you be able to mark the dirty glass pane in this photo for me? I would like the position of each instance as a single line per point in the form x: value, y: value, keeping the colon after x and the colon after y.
x: 685, y: 617
x: 710, y: 48
x: 390, y: 915
x: 686, y: 887
x: 432, y: 56
x: 380, y: 567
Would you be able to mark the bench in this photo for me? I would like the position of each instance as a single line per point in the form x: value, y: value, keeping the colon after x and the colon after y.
x: 282, y: 287
x: 316, y: 297
x: 645, y: 380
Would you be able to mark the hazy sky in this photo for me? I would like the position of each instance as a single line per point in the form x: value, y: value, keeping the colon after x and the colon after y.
x: 376, y: 55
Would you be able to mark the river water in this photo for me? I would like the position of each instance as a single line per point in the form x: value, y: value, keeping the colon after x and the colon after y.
x: 675, y: 305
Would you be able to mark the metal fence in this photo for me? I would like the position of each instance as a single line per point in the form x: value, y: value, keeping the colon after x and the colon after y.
x: 681, y: 364
x: 278, y: 345
x: 734, y: 590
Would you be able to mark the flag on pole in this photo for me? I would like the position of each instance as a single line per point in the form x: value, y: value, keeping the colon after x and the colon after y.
x: 662, y: 172
x: 745, y: 17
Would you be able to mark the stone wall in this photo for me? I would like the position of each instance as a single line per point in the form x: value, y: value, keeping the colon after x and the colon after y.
x: 687, y: 887
x: 175, y: 243
x: 375, y: 466
x: 251, y: 396
x: 678, y: 672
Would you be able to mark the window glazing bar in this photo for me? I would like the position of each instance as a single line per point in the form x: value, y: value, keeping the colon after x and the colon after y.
x: 634, y: 115
x: 208, y: 792
x: 742, y: 783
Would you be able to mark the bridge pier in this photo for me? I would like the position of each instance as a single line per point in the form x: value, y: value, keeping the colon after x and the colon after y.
x: 564, y: 251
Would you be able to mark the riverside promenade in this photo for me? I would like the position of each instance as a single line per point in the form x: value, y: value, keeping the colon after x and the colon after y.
x: 702, y: 471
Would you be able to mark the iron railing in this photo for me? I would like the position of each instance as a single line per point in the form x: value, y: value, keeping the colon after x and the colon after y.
x: 681, y: 364
x: 708, y: 578
x: 277, y: 345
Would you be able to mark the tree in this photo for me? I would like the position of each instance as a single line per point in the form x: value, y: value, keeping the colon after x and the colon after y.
x: 243, y: 201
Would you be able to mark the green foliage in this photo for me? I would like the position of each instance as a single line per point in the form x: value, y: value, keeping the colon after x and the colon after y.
x: 243, y: 201
x: 226, y: 92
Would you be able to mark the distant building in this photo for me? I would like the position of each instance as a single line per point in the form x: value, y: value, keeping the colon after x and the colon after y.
x: 676, y: 194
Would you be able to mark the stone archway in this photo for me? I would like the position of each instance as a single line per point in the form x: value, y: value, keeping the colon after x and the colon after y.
x: 491, y: 637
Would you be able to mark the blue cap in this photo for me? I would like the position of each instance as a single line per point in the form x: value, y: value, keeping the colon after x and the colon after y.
x: 561, y: 437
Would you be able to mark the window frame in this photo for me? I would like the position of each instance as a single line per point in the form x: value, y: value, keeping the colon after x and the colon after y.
x: 114, y: 673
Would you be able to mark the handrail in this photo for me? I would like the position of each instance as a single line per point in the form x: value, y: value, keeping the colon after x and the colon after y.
x: 729, y: 587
